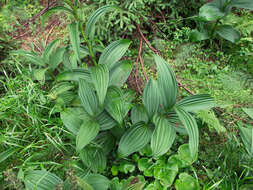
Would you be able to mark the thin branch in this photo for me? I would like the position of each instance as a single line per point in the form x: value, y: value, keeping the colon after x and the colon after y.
x: 141, y: 61
x: 184, y: 87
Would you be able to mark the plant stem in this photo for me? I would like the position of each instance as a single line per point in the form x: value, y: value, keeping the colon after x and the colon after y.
x: 89, y: 46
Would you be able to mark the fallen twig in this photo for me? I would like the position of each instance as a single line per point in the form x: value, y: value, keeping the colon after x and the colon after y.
x: 141, y: 61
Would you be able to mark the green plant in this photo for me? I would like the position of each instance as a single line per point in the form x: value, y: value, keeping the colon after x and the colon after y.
x: 210, y: 16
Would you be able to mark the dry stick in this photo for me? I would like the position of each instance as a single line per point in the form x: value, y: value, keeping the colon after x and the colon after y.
x: 50, y: 31
x: 141, y: 61
x: 136, y: 76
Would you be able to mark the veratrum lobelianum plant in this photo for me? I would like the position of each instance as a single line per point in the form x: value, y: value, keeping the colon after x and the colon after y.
x: 162, y: 116
x: 209, y: 20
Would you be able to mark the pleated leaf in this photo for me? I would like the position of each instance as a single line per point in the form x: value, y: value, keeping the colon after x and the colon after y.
x: 90, y: 26
x: 73, y: 118
x: 105, y: 121
x: 88, y: 97
x: 136, y: 138
x: 75, y: 39
x: 74, y: 75
x: 94, y: 159
x: 151, y: 97
x: 246, y: 134
x: 162, y: 137
x: 167, y: 83
x: 106, y: 141
x: 120, y: 73
x: 98, y: 182
x: 100, y: 78
x: 87, y: 132
x: 56, y: 58
x: 49, y: 49
x: 83, y: 184
x: 41, y: 180
x: 191, y: 127
x: 116, y: 104
x: 197, y: 102
x: 33, y: 57
x: 138, y: 113
x: 228, y: 32
x: 7, y: 153
x: 248, y: 111
x: 246, y: 4
x: 113, y: 53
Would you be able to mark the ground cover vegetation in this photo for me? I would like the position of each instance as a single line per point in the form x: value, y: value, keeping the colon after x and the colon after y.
x: 126, y: 95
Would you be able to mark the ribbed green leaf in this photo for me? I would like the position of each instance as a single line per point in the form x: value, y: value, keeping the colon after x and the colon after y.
x: 60, y: 88
x: 113, y: 53
x: 39, y: 74
x: 166, y: 82
x: 56, y: 58
x: 7, y: 153
x: 65, y: 99
x: 100, y: 78
x: 106, y: 141
x: 94, y: 159
x: 41, y: 180
x: 136, y: 138
x: 151, y: 97
x: 73, y: 118
x: 105, y: 121
x: 246, y: 4
x: 49, y: 49
x: 197, y: 102
x: 136, y: 186
x: 162, y: 137
x: 90, y: 26
x: 191, y: 127
x: 75, y: 39
x: 116, y: 104
x: 74, y: 75
x: 246, y: 134
x: 83, y: 184
x: 88, y: 97
x: 210, y: 12
x: 98, y: 182
x: 33, y: 57
x: 248, y: 111
x: 138, y: 113
x: 228, y: 32
x: 120, y: 73
x: 66, y: 61
x: 87, y: 132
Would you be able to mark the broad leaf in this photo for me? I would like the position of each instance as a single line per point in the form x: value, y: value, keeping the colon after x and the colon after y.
x: 162, y: 137
x: 94, y: 159
x: 87, y: 132
x: 106, y: 141
x: 186, y: 182
x: 59, y: 89
x: 191, y: 127
x: 248, y: 111
x: 41, y: 180
x: 100, y: 78
x: 246, y: 134
x: 246, y: 4
x: 40, y: 75
x: 210, y: 12
x: 117, y: 104
x: 33, y: 57
x: 151, y: 97
x: 83, y: 184
x: 49, y: 49
x: 166, y: 82
x: 138, y: 113
x: 120, y: 73
x: 56, y: 58
x: 228, y: 32
x: 184, y: 155
x: 105, y: 121
x: 98, y: 182
x: 197, y: 102
x: 73, y: 118
x: 75, y: 39
x: 136, y: 138
x: 113, y: 53
x: 74, y: 75
x: 90, y: 26
x: 88, y: 97
x: 197, y: 36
